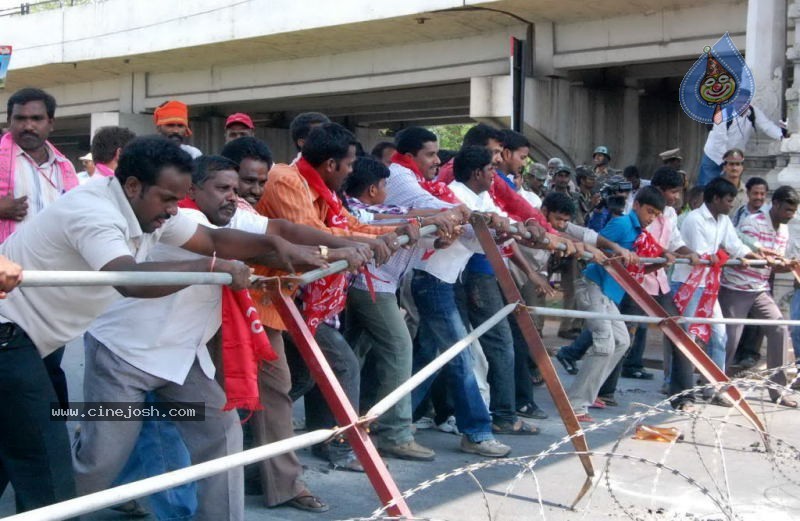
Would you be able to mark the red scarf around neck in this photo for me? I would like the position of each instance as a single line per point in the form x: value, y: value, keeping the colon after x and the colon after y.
x: 436, y: 188
x: 325, y: 297
x: 244, y: 344
x: 705, y: 308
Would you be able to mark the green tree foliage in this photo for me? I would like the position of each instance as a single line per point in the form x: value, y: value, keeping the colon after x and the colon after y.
x: 450, y: 136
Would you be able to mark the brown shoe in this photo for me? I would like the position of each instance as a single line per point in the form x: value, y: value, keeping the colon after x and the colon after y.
x: 411, y: 451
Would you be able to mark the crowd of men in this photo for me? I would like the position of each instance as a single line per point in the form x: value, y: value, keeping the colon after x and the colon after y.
x: 156, y: 203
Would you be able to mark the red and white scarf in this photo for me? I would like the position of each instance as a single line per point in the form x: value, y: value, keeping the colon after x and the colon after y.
x: 436, y: 188
x: 325, y: 297
x: 645, y: 246
x: 244, y: 344
x: 705, y: 308
x: 8, y: 164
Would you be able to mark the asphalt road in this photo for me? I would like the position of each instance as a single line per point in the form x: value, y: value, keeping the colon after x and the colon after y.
x: 719, y: 471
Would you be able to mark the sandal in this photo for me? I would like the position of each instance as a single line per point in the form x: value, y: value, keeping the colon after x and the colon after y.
x: 786, y: 402
x: 569, y: 364
x: 536, y: 377
x: 598, y: 404
x: 584, y: 418
x: 608, y: 400
x: 520, y: 428
x: 531, y: 410
x: 308, y: 502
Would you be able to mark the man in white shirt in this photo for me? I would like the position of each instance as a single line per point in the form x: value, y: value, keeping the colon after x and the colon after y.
x: 734, y: 134
x: 88, y: 168
x: 434, y: 275
x: 704, y: 231
x: 108, y: 225
x: 125, y: 361
x: 33, y: 174
x: 479, y: 295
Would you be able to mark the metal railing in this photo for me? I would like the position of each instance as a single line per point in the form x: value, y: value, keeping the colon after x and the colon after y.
x: 26, y: 8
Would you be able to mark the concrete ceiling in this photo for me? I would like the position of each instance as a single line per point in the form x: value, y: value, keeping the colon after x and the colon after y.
x: 439, y: 25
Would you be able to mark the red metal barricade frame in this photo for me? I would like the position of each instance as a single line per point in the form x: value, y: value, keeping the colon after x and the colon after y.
x: 337, y: 400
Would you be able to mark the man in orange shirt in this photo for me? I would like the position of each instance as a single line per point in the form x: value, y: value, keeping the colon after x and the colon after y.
x: 305, y: 193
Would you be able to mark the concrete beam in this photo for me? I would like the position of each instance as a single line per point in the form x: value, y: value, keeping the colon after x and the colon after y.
x: 443, y: 61
x: 117, y: 28
x: 657, y: 36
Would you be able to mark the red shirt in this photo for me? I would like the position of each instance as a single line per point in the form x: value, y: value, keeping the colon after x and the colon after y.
x: 505, y: 197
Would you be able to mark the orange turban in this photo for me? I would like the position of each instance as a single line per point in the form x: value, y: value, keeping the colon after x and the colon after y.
x: 172, y: 112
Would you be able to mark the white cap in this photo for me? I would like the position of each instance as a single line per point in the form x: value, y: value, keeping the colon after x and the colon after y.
x: 87, y: 157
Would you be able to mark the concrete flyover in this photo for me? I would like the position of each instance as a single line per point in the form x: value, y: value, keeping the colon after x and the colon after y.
x: 600, y: 71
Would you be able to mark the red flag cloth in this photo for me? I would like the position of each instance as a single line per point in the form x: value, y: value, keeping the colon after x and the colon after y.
x: 436, y: 188
x: 705, y: 308
x: 325, y: 297
x: 244, y: 344
x: 644, y: 246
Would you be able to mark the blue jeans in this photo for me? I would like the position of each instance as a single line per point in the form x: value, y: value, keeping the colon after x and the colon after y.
x: 160, y: 449
x: 719, y: 336
x: 578, y: 347
x: 441, y: 328
x: 479, y: 298
x: 794, y: 312
x: 709, y: 171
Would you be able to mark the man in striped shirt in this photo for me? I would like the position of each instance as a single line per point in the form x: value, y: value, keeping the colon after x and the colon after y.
x: 745, y: 290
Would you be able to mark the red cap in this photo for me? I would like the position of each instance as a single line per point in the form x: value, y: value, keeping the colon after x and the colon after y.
x: 239, y: 117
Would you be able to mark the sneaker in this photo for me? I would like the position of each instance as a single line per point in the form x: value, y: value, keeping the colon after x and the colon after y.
x: 412, y: 451
x: 449, y: 426
x: 423, y: 423
x: 489, y: 448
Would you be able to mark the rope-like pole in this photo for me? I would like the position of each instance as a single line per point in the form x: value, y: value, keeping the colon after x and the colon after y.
x: 732, y: 262
x: 32, y: 278
x: 114, y: 496
x: 426, y: 372
x: 341, y: 265
x: 572, y: 313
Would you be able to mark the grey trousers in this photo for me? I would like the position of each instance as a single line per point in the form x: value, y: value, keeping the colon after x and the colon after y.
x: 101, y: 448
x: 610, y: 343
x: 756, y: 304
x: 378, y: 328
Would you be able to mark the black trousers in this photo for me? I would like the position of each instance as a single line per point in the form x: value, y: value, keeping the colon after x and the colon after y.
x: 34, y: 449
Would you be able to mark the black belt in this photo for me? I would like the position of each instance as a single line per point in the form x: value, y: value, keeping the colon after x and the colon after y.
x: 12, y: 336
